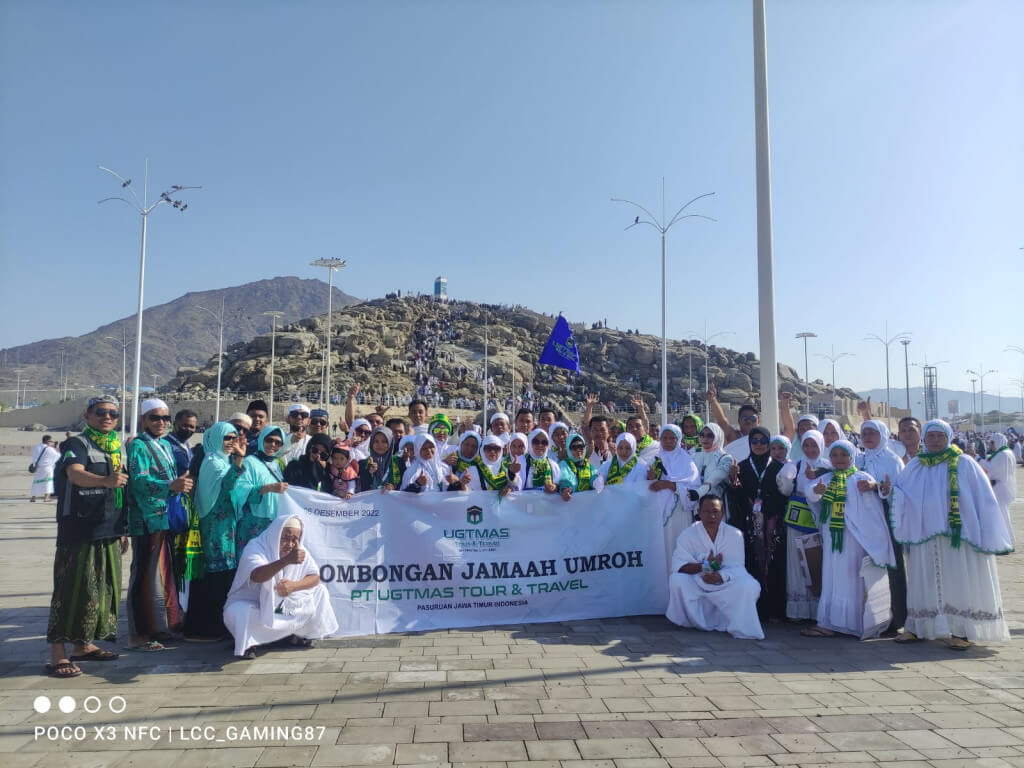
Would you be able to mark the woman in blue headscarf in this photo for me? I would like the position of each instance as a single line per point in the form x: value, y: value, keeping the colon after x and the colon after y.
x: 255, y: 493
x: 224, y: 454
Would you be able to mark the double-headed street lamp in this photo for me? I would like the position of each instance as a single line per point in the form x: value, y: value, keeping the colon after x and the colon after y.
x: 981, y: 379
x: 144, y: 209
x: 220, y: 348
x: 832, y: 357
x: 662, y: 227
x: 332, y: 265
x: 124, y: 341
x: 886, y: 341
x: 274, y: 316
x: 805, y: 335
x: 705, y: 340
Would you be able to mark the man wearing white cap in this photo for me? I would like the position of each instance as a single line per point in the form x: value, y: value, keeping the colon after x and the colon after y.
x: 500, y: 428
x: 156, y: 512
x: 295, y: 443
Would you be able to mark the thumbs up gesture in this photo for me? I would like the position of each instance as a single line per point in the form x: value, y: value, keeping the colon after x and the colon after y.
x: 820, y: 488
x: 183, y: 484
x: 886, y: 486
x: 809, y: 472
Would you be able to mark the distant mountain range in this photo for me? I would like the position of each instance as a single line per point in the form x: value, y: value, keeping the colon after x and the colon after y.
x: 174, y: 334
x: 1010, y: 401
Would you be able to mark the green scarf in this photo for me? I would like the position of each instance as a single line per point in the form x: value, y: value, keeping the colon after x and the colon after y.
x: 395, y: 473
x: 644, y: 442
x: 190, y: 562
x: 692, y: 443
x: 833, y: 506
x: 658, y: 468
x: 998, y: 450
x: 584, y: 479
x: 490, y: 480
x: 541, y: 471
x: 951, y: 456
x: 461, y: 465
x: 617, y: 474
x: 110, y: 444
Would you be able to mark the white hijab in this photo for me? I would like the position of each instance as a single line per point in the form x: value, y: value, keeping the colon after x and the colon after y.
x: 824, y: 423
x: 493, y: 466
x: 879, y: 462
x: 434, y: 469
x: 266, y: 549
x: 678, y: 464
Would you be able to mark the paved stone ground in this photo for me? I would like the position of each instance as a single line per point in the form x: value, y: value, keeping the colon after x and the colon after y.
x: 623, y: 693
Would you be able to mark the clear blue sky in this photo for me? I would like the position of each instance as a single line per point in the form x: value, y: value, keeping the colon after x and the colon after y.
x: 483, y: 140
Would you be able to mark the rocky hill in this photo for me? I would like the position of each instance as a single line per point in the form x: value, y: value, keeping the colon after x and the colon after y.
x: 377, y: 343
x: 175, y: 334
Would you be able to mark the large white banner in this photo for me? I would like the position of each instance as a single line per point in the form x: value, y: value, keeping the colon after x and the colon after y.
x: 397, y: 561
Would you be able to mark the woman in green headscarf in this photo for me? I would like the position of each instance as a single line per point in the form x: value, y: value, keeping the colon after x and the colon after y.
x: 691, y: 424
x: 255, y: 493
x: 214, y: 565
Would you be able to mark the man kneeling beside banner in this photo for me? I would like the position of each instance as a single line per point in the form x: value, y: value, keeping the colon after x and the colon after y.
x: 398, y: 562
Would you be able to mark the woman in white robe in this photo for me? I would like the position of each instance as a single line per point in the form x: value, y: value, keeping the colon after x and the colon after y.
x: 624, y: 467
x: 854, y: 526
x: 793, y: 480
x: 709, y: 588
x: 712, y: 464
x: 277, y: 592
x: 882, y: 463
x: 427, y: 472
x: 672, y: 474
x: 952, y: 580
x: 805, y: 423
x: 540, y: 472
x: 45, y: 457
x: 1002, y: 469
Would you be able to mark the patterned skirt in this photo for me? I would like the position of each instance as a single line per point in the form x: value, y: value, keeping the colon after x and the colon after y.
x: 249, y: 527
x: 153, y: 607
x: 86, y: 592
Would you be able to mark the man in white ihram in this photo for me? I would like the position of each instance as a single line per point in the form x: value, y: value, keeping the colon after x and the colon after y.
x: 277, y: 592
x: 709, y: 587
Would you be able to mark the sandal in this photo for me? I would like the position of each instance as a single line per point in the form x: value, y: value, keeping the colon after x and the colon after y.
x: 906, y: 637
x: 817, y: 632
x: 959, y: 643
x: 96, y: 654
x: 148, y: 647
x: 250, y: 654
x: 63, y: 669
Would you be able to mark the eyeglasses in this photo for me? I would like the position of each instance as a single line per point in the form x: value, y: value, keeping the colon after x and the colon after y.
x: 538, y: 441
x: 230, y: 438
x: 758, y: 441
x: 748, y: 419
x: 298, y: 415
x: 318, y: 422
x: 360, y: 431
x: 165, y: 418
x: 321, y: 454
x: 104, y: 413
x: 708, y: 435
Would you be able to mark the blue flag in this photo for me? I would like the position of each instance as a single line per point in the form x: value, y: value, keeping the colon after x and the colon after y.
x: 561, y: 349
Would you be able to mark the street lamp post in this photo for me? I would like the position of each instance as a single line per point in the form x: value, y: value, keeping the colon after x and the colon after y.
x: 981, y: 389
x: 1020, y: 383
x: 332, y: 265
x: 653, y: 221
x: 805, y: 335
x: 906, y: 369
x: 17, y: 389
x: 220, y: 349
x: 974, y: 402
x: 832, y: 357
x: 931, y: 410
x: 274, y: 316
x: 1019, y: 351
x: 886, y: 341
x: 143, y: 208
x: 706, y: 340
x: 123, y: 341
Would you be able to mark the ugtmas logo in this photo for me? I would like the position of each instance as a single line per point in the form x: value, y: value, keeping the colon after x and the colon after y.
x: 475, y: 516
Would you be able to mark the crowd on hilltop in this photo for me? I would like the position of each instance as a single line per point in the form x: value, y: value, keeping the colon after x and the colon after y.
x: 797, y: 526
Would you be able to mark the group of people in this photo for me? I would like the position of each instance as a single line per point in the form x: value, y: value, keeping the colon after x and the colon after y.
x: 787, y: 527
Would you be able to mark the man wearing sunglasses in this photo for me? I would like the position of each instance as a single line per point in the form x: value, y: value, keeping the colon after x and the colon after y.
x: 153, y: 609
x: 298, y: 434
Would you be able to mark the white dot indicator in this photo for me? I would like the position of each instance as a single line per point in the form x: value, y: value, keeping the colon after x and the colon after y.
x: 66, y: 704
x: 121, y: 704
x: 92, y: 704
x: 41, y: 704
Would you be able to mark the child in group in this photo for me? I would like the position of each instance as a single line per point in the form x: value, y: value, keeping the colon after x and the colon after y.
x: 344, y: 472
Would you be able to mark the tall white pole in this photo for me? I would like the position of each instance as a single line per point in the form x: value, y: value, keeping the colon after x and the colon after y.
x: 484, y: 430
x: 326, y: 397
x: 137, y: 374
x: 689, y: 377
x: 664, y: 338
x: 17, y: 392
x: 273, y: 314
x: 124, y: 383
x: 765, y: 277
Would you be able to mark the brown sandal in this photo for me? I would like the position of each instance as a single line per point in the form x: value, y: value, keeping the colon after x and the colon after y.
x: 63, y: 669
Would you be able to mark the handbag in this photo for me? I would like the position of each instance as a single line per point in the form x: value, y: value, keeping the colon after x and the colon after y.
x: 32, y: 468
